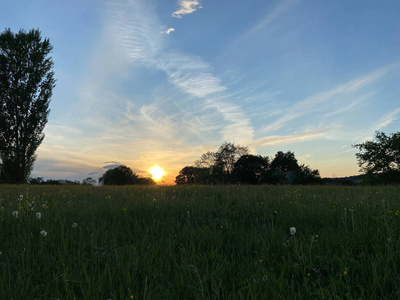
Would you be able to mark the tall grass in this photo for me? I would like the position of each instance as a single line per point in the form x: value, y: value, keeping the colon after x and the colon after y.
x: 199, y: 242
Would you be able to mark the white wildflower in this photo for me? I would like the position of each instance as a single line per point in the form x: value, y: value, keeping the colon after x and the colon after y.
x: 43, y: 233
x: 15, y: 214
x: 292, y: 230
x: 38, y: 215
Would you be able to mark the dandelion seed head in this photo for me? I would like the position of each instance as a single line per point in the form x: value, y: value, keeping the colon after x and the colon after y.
x: 74, y: 225
x: 292, y: 230
x: 15, y: 213
x: 38, y: 215
x: 43, y: 233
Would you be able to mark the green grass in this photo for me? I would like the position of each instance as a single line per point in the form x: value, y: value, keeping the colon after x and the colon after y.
x: 200, y: 242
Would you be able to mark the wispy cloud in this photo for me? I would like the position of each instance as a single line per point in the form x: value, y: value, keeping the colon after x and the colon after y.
x: 387, y: 119
x: 195, y: 77
x: 315, y: 103
x: 279, y: 10
x: 263, y: 25
x: 277, y: 139
x: 186, y: 7
x: 132, y: 26
x: 191, y: 74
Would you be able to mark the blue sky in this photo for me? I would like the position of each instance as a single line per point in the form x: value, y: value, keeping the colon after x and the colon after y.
x: 151, y: 82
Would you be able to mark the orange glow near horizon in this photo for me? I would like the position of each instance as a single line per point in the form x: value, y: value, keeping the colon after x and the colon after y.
x: 157, y: 173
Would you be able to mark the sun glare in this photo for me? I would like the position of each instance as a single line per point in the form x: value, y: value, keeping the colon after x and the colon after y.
x: 157, y: 173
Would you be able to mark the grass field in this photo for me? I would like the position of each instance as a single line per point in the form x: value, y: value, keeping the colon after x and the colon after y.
x: 199, y: 242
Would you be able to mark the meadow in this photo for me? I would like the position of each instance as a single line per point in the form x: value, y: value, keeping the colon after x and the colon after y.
x: 199, y: 242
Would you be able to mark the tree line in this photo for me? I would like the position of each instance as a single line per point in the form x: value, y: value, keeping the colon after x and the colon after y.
x: 121, y: 175
x: 232, y: 164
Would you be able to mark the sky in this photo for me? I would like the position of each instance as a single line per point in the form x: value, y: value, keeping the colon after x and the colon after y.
x: 146, y: 83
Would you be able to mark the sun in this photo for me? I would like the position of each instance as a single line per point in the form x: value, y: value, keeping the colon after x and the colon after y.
x: 157, y: 172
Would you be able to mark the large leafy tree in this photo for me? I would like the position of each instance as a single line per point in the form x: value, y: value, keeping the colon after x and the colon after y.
x: 186, y: 175
x: 219, y: 164
x: 26, y: 83
x: 284, y: 169
x: 225, y: 158
x: 121, y: 175
x: 379, y: 159
x: 380, y: 155
x: 305, y: 175
x: 193, y: 175
x: 251, y: 169
x: 284, y: 162
x: 207, y: 160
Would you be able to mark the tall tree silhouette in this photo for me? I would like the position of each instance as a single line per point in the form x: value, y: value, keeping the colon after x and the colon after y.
x: 26, y: 83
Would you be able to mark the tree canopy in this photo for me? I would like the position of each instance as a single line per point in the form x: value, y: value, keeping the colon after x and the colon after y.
x: 26, y: 83
x: 123, y: 175
x: 251, y: 169
x: 380, y: 156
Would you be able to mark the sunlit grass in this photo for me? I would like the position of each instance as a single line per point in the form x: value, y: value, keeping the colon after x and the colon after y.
x: 211, y: 242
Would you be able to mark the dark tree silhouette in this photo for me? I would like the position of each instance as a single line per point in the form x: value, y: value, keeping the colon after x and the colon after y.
x: 207, y: 160
x: 380, y: 155
x: 26, y: 83
x: 89, y: 181
x: 380, y: 159
x: 225, y: 159
x: 284, y: 162
x: 283, y: 168
x: 304, y: 175
x: 251, y: 169
x: 193, y: 175
x: 234, y: 164
x: 186, y: 176
x: 145, y: 181
x: 121, y: 175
